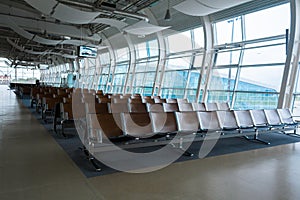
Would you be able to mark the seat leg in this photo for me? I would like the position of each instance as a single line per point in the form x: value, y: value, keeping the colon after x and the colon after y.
x: 63, y: 130
x: 180, y: 147
x: 255, y: 138
x: 90, y: 158
x: 293, y: 134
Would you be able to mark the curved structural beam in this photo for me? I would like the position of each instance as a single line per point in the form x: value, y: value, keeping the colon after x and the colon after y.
x: 205, y: 7
x: 62, y: 12
x: 112, y: 22
x: 39, y: 52
x: 292, y: 59
x: 10, y: 23
x: 144, y: 28
x: 207, y: 62
x: 194, y: 8
x: 43, y: 6
x: 72, y: 15
x: 161, y: 64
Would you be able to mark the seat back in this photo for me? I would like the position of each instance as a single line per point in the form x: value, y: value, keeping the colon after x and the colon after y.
x: 171, y: 100
x: 182, y: 101
x: 66, y: 111
x: 137, y: 125
x: 148, y: 100
x: 135, y: 100
x: 118, y: 107
x: 223, y: 106
x: 170, y: 107
x: 243, y: 118
x: 227, y: 119
x: 273, y: 117
x: 119, y: 100
x: 208, y: 120
x: 156, y: 107
x: 158, y: 100
x: 198, y: 106
x: 97, y: 108
x: 187, y: 122
x: 163, y: 122
x: 211, y: 106
x: 286, y: 116
x: 259, y: 117
x: 103, y: 123
x: 104, y: 100
x: 137, y: 107
x: 185, y: 107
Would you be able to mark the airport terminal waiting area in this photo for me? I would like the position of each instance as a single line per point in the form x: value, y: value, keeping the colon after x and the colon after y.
x: 110, y: 122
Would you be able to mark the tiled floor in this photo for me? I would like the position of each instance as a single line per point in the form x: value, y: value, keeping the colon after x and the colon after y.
x: 34, y: 167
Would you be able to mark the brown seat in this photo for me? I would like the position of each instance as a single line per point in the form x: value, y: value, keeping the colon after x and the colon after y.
x: 158, y: 100
x: 103, y: 124
x: 67, y: 119
x: 183, y: 107
x: 97, y: 108
x: 148, y: 100
x: 170, y: 107
x: 135, y: 100
x: 198, y: 107
x: 118, y: 107
x: 157, y: 107
x: 187, y: 122
x: 211, y: 106
x: 137, y: 125
x: 163, y: 122
x: 137, y: 107
x: 171, y: 100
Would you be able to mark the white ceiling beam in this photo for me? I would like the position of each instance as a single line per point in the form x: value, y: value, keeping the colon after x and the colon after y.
x: 52, y: 28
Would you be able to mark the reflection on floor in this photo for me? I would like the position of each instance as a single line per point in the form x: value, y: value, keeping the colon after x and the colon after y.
x: 33, y: 166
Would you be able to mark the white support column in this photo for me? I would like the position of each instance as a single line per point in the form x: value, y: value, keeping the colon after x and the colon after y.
x: 208, y: 58
x: 112, y: 56
x: 132, y: 65
x: 161, y: 64
x: 238, y: 71
x: 292, y: 59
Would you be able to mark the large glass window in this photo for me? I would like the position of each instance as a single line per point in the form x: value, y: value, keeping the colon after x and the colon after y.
x: 253, y: 48
x: 183, y: 64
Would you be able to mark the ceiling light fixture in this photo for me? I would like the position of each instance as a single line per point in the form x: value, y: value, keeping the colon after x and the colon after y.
x: 168, y: 14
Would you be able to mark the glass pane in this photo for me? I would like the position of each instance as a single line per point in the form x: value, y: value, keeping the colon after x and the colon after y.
x: 119, y: 79
x: 172, y: 93
x: 228, y: 58
x: 266, y: 18
x: 191, y: 95
x: 255, y: 101
x: 219, y: 96
x: 194, y: 79
x: 198, y: 61
x: 146, y: 66
x: 223, y: 79
x: 178, y: 63
x: 175, y: 79
x: 228, y: 31
x: 104, y: 58
x: 122, y: 54
x: 263, y: 55
x: 199, y: 37
x: 121, y: 69
x: 263, y: 79
x: 180, y: 42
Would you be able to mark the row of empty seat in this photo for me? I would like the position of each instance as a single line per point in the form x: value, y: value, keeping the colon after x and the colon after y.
x: 141, y: 125
x: 131, y: 117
